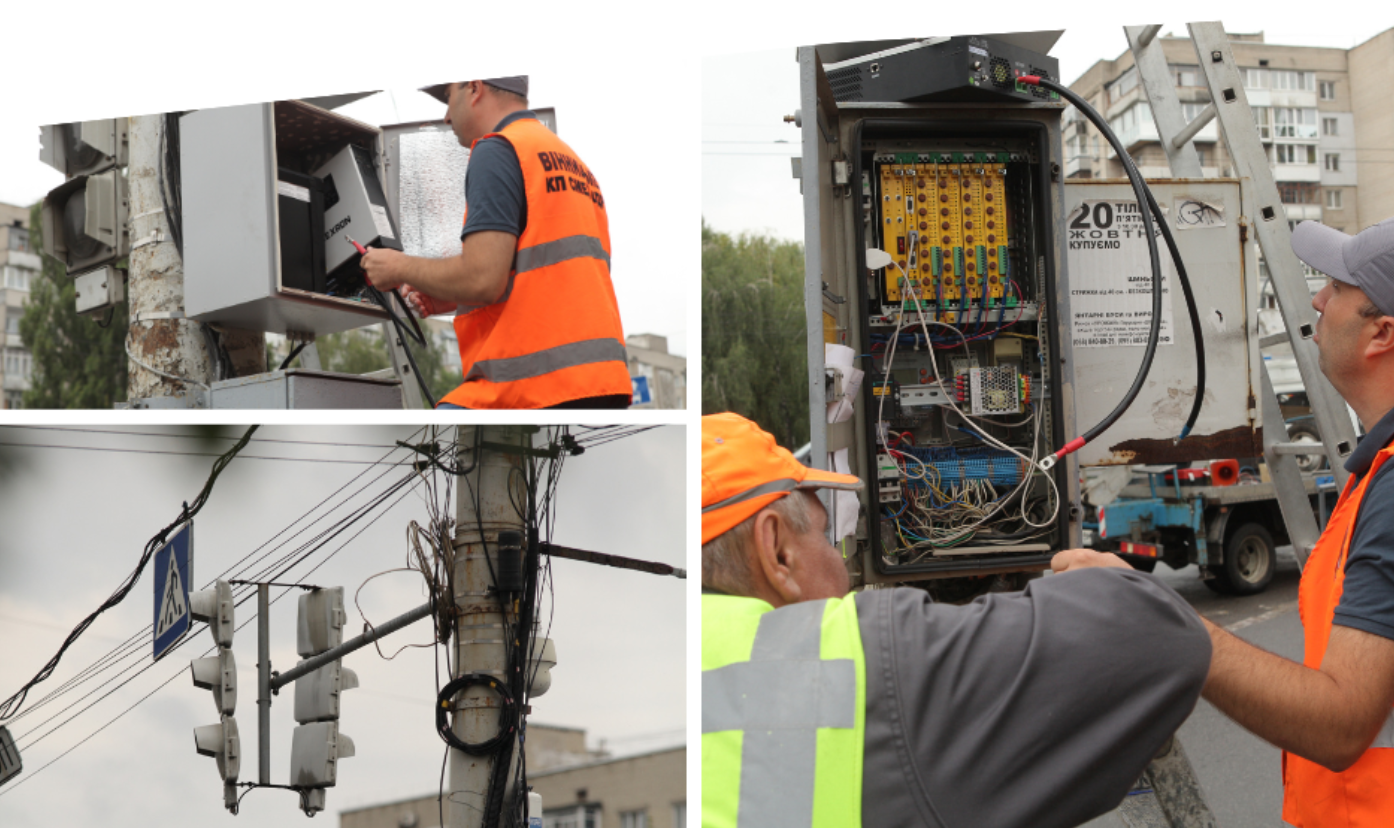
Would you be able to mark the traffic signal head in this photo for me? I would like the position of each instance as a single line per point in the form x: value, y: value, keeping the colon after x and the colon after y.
x: 85, y: 147
x: 215, y: 607
x: 219, y: 674
x: 320, y: 621
x: 84, y: 221
x: 221, y: 742
x: 317, y: 695
x: 315, y: 751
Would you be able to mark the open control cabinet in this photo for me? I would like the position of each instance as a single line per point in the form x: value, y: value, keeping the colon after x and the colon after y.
x: 966, y: 382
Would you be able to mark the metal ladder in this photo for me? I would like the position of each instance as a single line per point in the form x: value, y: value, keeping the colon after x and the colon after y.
x: 1264, y: 215
x: 1168, y: 793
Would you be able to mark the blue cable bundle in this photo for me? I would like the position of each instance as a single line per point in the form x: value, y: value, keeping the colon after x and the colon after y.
x: 957, y: 465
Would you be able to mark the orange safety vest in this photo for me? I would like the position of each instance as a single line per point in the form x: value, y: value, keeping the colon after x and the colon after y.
x: 555, y: 335
x: 1362, y: 796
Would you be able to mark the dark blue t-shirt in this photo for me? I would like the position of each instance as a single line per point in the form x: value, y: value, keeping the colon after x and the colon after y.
x: 1367, y: 600
x: 494, y: 191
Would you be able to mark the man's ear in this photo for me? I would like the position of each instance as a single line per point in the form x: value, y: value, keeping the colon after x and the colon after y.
x: 1382, y: 342
x: 774, y: 558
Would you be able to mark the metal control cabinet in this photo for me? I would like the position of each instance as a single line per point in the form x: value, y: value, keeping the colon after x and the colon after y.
x: 232, y: 262
x: 848, y: 149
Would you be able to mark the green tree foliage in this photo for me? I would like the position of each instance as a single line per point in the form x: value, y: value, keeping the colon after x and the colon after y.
x: 77, y: 363
x: 754, y: 346
x: 363, y: 351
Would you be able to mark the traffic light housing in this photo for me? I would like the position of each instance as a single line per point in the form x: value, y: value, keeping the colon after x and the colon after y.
x: 317, y: 745
x: 218, y: 673
x: 84, y: 219
x: 85, y: 147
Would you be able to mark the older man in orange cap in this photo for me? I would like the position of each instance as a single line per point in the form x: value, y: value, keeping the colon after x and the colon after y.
x: 1038, y: 708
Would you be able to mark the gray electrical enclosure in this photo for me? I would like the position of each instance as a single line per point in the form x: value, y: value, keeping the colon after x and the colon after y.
x: 299, y: 388
x: 230, y: 160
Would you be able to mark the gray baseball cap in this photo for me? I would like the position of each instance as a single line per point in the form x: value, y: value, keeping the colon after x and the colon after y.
x: 517, y: 84
x: 1365, y: 260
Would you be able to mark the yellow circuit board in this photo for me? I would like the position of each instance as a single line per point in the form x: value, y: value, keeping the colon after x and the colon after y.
x: 945, y: 224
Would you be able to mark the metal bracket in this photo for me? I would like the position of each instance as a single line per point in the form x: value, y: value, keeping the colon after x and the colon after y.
x: 151, y: 316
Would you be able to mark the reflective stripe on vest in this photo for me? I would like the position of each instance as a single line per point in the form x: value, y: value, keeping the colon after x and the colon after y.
x: 787, y: 484
x: 1363, y: 794
x: 555, y: 334
x: 782, y: 729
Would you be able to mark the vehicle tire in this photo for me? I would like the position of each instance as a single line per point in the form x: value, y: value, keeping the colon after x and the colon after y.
x: 1250, y: 560
x: 1305, y: 431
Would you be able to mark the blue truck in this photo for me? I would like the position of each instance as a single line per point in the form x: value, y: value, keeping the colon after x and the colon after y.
x: 1231, y: 532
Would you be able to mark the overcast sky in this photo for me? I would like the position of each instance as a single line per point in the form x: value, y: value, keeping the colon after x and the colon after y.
x: 138, y: 57
x: 75, y: 522
x: 747, y: 184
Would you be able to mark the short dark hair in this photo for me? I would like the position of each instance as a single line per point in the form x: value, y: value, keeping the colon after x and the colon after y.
x: 1370, y: 311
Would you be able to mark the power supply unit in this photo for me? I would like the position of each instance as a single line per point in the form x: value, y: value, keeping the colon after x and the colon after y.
x: 962, y: 68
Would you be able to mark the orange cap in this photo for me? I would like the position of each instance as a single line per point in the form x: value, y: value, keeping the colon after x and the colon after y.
x: 744, y: 470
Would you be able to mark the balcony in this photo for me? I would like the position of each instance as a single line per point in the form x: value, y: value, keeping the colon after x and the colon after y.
x: 1302, y: 212
x: 1080, y: 166
x: 1297, y: 172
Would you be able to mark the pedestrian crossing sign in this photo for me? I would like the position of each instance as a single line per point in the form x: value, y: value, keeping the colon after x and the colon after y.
x: 174, y: 569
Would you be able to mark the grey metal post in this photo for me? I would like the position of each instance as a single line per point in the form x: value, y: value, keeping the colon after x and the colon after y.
x: 811, y: 175
x: 1161, y: 95
x: 263, y: 684
x: 483, y: 509
x: 312, y: 664
x: 397, y: 349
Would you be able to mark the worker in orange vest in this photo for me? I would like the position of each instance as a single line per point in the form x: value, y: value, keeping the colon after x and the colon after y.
x: 1332, y: 714
x: 535, y: 312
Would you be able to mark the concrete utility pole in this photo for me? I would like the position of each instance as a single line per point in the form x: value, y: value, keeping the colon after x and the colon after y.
x: 479, y: 646
x: 159, y: 334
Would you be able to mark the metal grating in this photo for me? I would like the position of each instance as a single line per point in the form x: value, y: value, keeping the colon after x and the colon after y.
x: 846, y: 83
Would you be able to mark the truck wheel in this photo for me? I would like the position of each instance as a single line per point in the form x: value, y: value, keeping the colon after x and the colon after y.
x: 1305, y: 431
x: 1250, y: 560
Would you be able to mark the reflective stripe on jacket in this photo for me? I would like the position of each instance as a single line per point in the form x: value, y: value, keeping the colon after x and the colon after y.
x: 1363, y: 794
x: 555, y: 334
x: 783, y: 714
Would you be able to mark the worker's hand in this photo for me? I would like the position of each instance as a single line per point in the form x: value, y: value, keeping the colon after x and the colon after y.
x: 385, y: 269
x: 425, y: 305
x: 1072, y: 560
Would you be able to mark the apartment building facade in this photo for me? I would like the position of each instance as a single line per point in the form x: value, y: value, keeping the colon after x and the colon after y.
x: 19, y: 267
x: 1322, y: 114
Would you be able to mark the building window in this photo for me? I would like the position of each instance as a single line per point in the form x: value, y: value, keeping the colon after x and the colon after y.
x: 19, y: 239
x: 1333, y: 199
x: 18, y: 362
x: 16, y: 278
x: 1292, y: 122
x: 1200, y: 156
x: 1333, y: 161
x: 1328, y: 91
x: 634, y: 819
x: 1295, y: 153
x: 14, y: 399
x: 12, y: 322
x: 1125, y: 83
x: 580, y: 816
x: 1188, y: 76
x: 1330, y: 126
x: 680, y: 815
x: 1284, y: 79
x: 1255, y: 78
x: 1297, y: 192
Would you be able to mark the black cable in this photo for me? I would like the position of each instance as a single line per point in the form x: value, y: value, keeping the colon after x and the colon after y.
x: 1154, y: 330
x: 415, y: 336
x: 110, y: 312
x: 508, y: 713
x: 294, y: 352
x: 11, y: 705
x: 1192, y: 311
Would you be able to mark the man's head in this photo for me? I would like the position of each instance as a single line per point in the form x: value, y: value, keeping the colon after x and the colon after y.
x: 762, y: 525
x: 1355, y: 333
x: 473, y: 108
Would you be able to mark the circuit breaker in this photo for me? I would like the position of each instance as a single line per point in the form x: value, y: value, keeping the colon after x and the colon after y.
x: 956, y: 336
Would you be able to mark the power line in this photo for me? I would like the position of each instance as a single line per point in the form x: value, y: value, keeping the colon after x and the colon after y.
x: 194, y: 436
x: 186, y: 453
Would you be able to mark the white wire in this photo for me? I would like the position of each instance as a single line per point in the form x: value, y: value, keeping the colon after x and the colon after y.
x: 160, y: 373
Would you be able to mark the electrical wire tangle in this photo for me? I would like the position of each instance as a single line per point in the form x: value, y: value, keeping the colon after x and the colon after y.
x: 937, y: 513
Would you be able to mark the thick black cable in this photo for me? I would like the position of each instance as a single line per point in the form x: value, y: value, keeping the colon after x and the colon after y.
x: 415, y: 336
x: 12, y: 705
x: 290, y: 357
x: 1154, y: 330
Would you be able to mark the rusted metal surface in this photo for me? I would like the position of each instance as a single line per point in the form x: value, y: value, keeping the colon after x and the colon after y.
x: 1233, y: 442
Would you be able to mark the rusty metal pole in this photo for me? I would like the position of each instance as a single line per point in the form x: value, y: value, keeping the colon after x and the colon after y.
x: 484, y: 507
